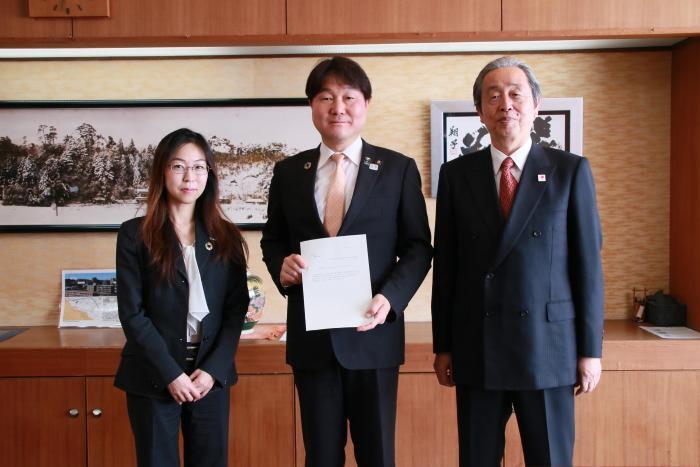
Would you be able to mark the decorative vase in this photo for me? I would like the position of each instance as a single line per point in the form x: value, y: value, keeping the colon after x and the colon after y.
x: 257, y: 303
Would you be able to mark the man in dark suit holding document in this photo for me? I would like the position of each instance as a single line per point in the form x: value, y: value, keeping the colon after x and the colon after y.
x: 347, y: 187
x: 517, y: 281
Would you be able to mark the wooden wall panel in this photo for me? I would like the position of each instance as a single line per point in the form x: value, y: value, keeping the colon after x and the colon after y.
x: 310, y: 17
x: 626, y: 138
x: 640, y: 418
x: 685, y: 179
x: 592, y: 17
x: 16, y: 25
x: 136, y: 19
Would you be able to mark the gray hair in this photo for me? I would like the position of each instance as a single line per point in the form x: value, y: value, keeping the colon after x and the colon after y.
x: 506, y: 62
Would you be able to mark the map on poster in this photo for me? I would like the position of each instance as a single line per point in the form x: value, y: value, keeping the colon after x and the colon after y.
x: 89, y: 298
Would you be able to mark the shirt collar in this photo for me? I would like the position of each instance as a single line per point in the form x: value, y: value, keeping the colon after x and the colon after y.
x: 519, y: 156
x: 352, y: 152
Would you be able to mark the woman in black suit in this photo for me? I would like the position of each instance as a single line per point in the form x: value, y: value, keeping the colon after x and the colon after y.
x: 182, y: 294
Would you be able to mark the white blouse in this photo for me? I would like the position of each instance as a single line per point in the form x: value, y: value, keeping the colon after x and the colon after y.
x: 198, y: 308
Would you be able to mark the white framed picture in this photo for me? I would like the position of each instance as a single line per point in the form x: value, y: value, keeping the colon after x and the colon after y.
x: 89, y: 298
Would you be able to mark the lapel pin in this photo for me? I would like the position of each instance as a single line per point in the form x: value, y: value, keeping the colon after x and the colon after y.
x: 209, y: 245
x: 372, y: 165
x: 307, y: 166
x: 541, y: 178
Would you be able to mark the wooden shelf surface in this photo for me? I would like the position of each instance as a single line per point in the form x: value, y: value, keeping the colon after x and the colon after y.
x: 49, y: 351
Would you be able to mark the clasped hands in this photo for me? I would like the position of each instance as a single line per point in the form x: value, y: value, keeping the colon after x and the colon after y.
x: 191, y: 388
x: 290, y: 274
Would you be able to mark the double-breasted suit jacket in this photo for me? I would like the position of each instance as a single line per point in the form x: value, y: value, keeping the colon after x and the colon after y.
x: 517, y: 302
x: 388, y: 206
x: 153, y: 314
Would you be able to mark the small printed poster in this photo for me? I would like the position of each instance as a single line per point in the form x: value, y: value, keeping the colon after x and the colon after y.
x: 89, y: 298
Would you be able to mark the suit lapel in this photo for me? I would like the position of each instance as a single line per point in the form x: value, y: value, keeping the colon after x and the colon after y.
x: 529, y: 193
x: 366, y: 179
x: 482, y: 184
x: 201, y: 242
x: 307, y: 182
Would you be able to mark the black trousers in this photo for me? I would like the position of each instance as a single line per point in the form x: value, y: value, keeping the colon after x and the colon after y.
x: 332, y: 397
x: 156, y: 426
x: 545, y: 419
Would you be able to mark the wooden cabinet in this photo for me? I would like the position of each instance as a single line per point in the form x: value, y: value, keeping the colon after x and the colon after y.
x: 76, y: 421
x: 283, y: 22
x: 640, y: 418
x: 320, y: 17
x: 261, y: 422
x: 37, y: 427
x: 109, y: 439
x: 560, y: 18
x: 70, y: 422
x: 426, y: 425
x: 645, y: 412
x: 16, y: 27
x: 184, y: 21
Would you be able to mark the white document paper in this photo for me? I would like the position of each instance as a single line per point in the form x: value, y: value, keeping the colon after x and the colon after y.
x: 337, y: 286
x: 672, y: 332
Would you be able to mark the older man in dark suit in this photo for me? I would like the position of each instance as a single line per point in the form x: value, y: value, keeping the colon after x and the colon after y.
x: 347, y: 187
x: 517, y: 285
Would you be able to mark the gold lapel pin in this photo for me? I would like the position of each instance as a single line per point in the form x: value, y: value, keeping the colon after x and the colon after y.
x: 307, y: 166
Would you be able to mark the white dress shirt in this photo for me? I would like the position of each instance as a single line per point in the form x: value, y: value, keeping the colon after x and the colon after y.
x: 325, y: 169
x: 198, y: 308
x: 519, y: 157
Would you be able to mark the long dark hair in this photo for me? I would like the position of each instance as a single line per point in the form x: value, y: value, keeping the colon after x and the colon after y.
x: 157, y: 231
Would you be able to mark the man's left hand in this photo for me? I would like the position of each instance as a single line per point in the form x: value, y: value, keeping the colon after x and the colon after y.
x: 378, y: 311
x: 589, y: 370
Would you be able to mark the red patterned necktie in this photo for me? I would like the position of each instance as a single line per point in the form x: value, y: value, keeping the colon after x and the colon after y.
x: 508, y: 187
x: 335, y: 199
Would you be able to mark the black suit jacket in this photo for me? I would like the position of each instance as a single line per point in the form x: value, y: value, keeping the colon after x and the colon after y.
x: 153, y: 315
x: 388, y: 206
x: 517, y: 303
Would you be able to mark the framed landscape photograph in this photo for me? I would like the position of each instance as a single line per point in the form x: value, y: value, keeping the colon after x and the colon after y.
x: 456, y: 130
x: 84, y: 165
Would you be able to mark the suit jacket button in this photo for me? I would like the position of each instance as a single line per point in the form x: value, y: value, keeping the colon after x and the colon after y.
x: 475, y: 235
x: 490, y: 276
x: 488, y: 314
x: 523, y: 314
x: 536, y: 233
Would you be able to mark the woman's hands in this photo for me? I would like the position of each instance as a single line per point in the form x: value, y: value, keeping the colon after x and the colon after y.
x: 191, y: 388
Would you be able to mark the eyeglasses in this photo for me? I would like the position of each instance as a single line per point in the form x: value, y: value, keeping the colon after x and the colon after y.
x: 199, y: 170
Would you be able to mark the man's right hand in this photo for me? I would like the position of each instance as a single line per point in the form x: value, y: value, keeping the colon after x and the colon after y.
x: 443, y: 368
x: 290, y: 274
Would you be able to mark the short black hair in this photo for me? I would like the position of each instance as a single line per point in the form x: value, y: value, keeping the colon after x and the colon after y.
x: 343, y: 69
